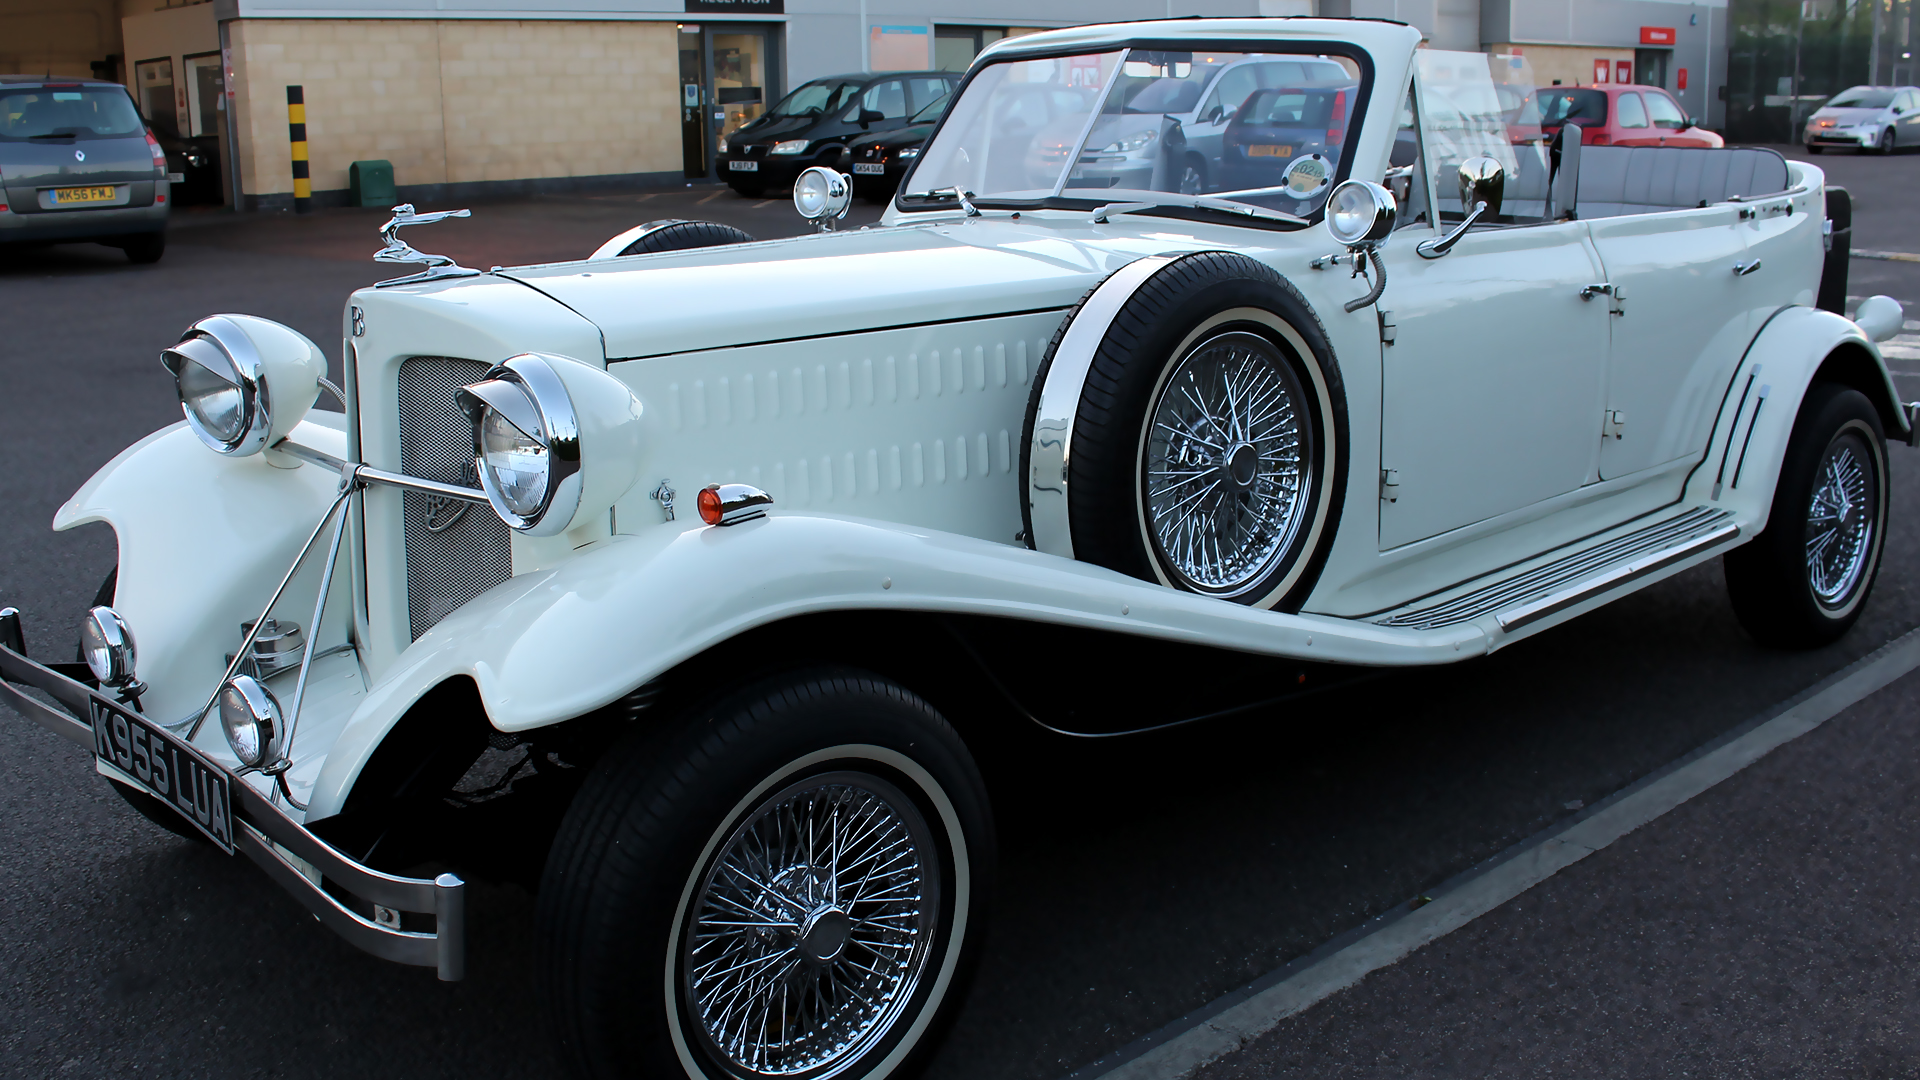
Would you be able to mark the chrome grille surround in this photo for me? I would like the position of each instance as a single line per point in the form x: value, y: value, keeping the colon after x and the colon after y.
x: 455, y: 552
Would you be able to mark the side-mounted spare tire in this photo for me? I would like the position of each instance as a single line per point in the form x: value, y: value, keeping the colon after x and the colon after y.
x: 1190, y: 428
x: 670, y: 234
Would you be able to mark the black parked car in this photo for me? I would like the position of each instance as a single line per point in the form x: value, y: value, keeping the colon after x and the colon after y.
x: 879, y: 161
x: 812, y: 125
x: 196, y: 161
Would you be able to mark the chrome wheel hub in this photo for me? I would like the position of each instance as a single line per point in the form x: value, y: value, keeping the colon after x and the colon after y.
x: 1227, y: 464
x: 1840, y: 525
x: 811, y: 930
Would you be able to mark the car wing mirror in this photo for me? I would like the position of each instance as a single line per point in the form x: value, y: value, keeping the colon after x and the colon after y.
x: 1483, y: 184
x: 1214, y: 115
x: 869, y: 116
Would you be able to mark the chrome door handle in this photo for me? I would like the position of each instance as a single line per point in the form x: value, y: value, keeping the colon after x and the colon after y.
x: 1588, y: 292
x: 1745, y: 268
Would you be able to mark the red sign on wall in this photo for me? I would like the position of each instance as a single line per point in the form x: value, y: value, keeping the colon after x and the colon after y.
x: 1623, y: 71
x: 1683, y: 78
x: 1601, y: 70
x: 1656, y: 35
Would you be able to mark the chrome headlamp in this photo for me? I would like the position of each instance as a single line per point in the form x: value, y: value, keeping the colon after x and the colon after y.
x: 822, y: 196
x: 244, y: 382
x: 106, y: 641
x: 1360, y: 213
x: 532, y: 416
x: 251, y: 717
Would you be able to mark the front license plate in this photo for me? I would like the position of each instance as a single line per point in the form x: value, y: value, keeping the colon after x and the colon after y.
x: 167, y: 767
x: 744, y: 166
x: 1269, y: 151
x: 69, y: 196
x: 869, y: 168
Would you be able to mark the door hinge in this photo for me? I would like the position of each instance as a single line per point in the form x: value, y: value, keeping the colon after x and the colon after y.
x: 1615, y: 294
x: 1613, y: 425
x: 1387, y: 327
x: 1390, y: 485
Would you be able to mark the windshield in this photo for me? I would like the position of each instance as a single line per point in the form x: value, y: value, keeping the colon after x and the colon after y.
x: 816, y: 99
x: 1261, y: 130
x: 933, y: 110
x: 59, y: 113
x: 1558, y: 106
x: 1862, y: 97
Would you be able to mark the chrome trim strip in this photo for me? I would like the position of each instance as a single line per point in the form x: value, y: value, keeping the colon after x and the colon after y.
x: 1514, y: 618
x: 1050, y: 452
x: 370, y: 475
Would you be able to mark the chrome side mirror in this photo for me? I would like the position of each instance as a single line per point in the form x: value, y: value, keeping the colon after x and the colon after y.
x: 1483, y: 183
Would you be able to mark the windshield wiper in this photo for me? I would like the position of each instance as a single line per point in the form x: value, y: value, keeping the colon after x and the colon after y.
x: 1201, y: 202
x: 69, y: 134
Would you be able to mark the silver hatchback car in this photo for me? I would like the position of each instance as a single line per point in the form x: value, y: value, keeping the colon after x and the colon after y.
x: 77, y: 163
x: 1881, y: 118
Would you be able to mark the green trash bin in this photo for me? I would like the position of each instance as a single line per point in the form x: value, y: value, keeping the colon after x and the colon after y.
x: 370, y: 183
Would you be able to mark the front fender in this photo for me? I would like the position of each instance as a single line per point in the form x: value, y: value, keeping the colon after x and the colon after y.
x: 203, y: 541
x: 1749, y: 443
x: 554, y: 644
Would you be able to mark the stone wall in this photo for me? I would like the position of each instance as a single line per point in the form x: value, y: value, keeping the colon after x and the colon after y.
x: 457, y: 101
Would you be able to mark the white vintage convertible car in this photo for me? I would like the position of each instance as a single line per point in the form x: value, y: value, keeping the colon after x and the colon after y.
x: 693, y: 610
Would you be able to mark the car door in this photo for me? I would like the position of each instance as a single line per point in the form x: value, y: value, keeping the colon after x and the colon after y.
x: 1631, y: 125
x: 1682, y: 325
x: 887, y: 98
x: 1907, y: 122
x: 1491, y: 388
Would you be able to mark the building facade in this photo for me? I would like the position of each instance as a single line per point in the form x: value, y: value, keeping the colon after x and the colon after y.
x: 469, y: 97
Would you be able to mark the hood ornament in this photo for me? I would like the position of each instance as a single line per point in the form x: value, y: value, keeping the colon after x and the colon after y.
x: 399, y: 251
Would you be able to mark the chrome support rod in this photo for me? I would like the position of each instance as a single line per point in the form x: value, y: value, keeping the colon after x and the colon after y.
x: 369, y: 475
x: 246, y: 643
x: 306, y: 660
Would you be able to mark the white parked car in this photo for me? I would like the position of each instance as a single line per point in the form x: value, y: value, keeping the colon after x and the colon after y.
x: 1879, y: 118
x: 715, y: 597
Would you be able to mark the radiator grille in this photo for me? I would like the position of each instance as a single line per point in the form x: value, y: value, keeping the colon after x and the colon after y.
x: 445, y: 569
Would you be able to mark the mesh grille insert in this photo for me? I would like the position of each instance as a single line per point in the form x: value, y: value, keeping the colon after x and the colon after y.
x: 448, y: 567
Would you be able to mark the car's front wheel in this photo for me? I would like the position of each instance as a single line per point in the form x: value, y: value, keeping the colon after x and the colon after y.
x: 1813, y: 148
x: 1803, y: 581
x: 1888, y: 141
x: 791, y: 884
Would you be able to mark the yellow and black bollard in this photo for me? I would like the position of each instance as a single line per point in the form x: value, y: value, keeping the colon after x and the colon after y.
x: 297, y: 135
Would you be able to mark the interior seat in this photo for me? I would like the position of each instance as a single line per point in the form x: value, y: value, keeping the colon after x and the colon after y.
x: 1619, y: 180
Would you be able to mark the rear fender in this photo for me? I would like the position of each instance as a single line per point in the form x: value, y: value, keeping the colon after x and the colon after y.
x: 203, y: 541
x: 1796, y: 347
x: 559, y: 643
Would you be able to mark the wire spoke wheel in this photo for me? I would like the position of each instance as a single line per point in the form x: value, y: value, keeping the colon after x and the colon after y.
x: 812, y: 927
x: 1227, y: 477
x: 1840, y: 521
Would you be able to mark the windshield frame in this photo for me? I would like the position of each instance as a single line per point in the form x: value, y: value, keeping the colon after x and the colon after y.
x: 1363, y: 96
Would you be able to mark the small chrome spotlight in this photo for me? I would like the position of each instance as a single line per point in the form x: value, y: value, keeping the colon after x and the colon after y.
x: 107, y: 642
x: 251, y: 718
x: 822, y: 196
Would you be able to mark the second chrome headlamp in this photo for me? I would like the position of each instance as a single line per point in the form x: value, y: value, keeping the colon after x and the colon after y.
x: 537, y: 419
x: 244, y: 382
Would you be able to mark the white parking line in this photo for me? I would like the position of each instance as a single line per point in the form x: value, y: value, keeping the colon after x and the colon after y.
x: 1182, y: 1048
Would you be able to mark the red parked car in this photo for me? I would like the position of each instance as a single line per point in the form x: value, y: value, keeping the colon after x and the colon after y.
x: 1624, y: 115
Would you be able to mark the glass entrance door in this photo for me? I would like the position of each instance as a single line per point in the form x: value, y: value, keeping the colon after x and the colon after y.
x: 728, y: 77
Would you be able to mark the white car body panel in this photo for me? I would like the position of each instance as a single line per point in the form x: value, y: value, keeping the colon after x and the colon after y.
x: 878, y: 389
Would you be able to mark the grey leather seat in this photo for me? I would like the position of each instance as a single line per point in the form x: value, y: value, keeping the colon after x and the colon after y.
x: 1618, y: 180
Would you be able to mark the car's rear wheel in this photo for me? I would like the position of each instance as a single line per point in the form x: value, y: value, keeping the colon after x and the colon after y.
x: 1208, y: 447
x: 145, y: 247
x: 1804, y: 580
x: 791, y: 884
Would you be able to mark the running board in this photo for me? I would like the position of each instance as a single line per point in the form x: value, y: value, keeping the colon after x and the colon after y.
x: 1549, y: 588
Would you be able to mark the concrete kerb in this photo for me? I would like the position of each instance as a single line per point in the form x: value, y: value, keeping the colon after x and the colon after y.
x: 1225, y: 1025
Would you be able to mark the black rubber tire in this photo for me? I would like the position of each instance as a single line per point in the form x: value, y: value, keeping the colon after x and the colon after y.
x: 1767, y: 578
x: 649, y: 819
x: 1106, y: 518
x: 1889, y: 142
x: 748, y: 191
x: 679, y: 235
x: 1812, y: 149
x: 145, y: 247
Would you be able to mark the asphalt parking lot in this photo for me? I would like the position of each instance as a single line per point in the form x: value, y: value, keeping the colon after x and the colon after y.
x: 1141, y: 879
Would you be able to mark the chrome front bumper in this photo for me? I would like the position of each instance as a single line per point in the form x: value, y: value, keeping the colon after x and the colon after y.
x: 281, y: 846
